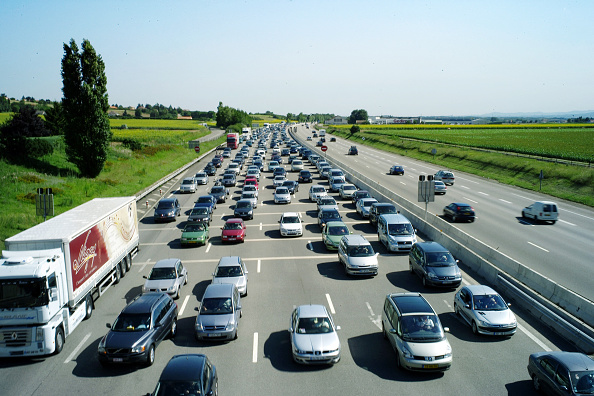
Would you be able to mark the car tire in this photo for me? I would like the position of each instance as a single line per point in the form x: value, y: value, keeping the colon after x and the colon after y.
x: 89, y: 306
x: 410, y: 267
x: 59, y: 340
x: 535, y: 383
x: 424, y: 282
x: 384, y: 331
x: 173, y: 330
x: 456, y: 309
x: 150, y: 356
x: 176, y: 295
x: 454, y: 218
x: 398, y: 362
x: 523, y: 214
x: 474, y: 328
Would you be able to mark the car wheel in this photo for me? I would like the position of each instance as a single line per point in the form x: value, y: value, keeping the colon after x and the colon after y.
x: 424, y: 282
x: 474, y: 327
x: 173, y: 331
x: 398, y: 362
x: 236, y: 333
x: 186, y: 280
x: 454, y: 218
x: 456, y: 309
x: 59, y: 340
x: 384, y: 331
x: 150, y: 357
x: 89, y: 306
x: 410, y: 267
x: 523, y: 214
x: 535, y: 382
x: 176, y: 295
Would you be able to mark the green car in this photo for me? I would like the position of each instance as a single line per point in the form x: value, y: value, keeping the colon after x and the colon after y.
x: 332, y: 233
x: 194, y: 234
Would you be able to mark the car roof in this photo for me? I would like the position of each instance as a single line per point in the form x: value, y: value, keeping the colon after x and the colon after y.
x: 245, y: 200
x: 367, y: 200
x: 408, y: 303
x: 166, y: 263
x: 328, y: 208
x: 168, y: 200
x: 229, y: 261
x: 312, y: 311
x: 215, y: 290
x: 143, y: 303
x: 376, y: 204
x: 290, y: 214
x: 335, y: 224
x: 460, y: 204
x: 431, y: 246
x: 395, y: 218
x: 187, y: 367
x: 234, y: 220
x: 574, y: 361
x: 355, y: 240
x: 480, y: 289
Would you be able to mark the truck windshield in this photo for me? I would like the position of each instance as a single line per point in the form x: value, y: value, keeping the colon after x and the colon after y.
x: 23, y: 293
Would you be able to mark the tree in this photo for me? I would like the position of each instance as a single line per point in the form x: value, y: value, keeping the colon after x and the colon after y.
x: 54, y: 119
x: 15, y: 134
x: 358, y: 115
x: 87, y: 133
x: 355, y: 129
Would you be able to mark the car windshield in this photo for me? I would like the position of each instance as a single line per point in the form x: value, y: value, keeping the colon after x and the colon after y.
x: 386, y: 209
x: 217, y: 189
x: 400, y: 229
x: 176, y: 388
x: 233, y: 226
x: 283, y: 190
x: 194, y: 227
x: 330, y: 214
x: 244, y: 204
x: 367, y: 204
x: 440, y: 259
x: 327, y: 201
x: 349, y: 188
x: 188, y: 182
x: 361, y: 251
x: 420, y: 328
x: 216, y: 306
x: 363, y: 195
x: 204, y: 200
x: 162, y: 273
x: 338, y: 230
x: 318, y: 189
x: 290, y: 219
x: 132, y: 322
x: 248, y: 195
x: 200, y: 174
x: 489, y: 302
x: 314, y: 326
x: 165, y: 205
x: 582, y: 382
x: 200, y: 210
x: 228, y: 271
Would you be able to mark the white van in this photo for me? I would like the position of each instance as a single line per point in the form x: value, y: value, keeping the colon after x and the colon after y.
x: 396, y: 232
x: 542, y: 211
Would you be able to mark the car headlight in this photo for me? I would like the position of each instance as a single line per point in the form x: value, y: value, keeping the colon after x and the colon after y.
x: 138, y: 349
x: 171, y: 288
x: 199, y: 327
x: 101, y: 346
x: 406, y: 353
x: 230, y: 326
x: 299, y: 351
x: 171, y: 213
x: 431, y: 275
x: 484, y: 323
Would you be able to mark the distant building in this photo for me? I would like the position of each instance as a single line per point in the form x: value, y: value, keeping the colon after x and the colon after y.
x: 432, y: 122
x: 181, y: 117
x: 337, y: 120
x: 385, y: 120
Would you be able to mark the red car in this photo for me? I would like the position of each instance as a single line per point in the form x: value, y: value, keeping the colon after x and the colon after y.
x: 250, y: 181
x: 233, y: 231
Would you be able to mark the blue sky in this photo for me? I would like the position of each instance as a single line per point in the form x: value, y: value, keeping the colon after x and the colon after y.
x: 403, y: 58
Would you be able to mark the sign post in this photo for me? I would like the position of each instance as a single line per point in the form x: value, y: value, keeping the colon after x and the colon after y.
x: 426, y: 191
x: 324, y: 148
x: 44, y: 202
x: 197, y: 149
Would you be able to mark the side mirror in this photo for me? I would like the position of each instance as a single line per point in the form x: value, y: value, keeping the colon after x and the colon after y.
x: 144, y: 276
x: 237, y: 308
x: 108, y: 325
x: 377, y: 254
x: 290, y: 329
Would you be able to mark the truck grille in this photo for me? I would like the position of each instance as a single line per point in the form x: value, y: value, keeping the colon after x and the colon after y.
x: 16, y: 338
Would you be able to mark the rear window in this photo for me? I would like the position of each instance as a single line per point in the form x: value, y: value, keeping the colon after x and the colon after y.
x: 549, y: 208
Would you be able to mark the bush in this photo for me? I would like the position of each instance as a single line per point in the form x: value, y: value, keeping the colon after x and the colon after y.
x: 38, y: 148
x: 132, y: 144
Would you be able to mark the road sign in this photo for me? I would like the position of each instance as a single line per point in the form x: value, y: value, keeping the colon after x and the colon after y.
x: 197, y: 149
x: 324, y: 148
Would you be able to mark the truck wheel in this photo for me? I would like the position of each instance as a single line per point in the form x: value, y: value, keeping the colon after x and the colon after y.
x: 59, y: 340
x: 89, y: 306
x: 118, y: 274
x: 122, y: 265
x: 128, y: 263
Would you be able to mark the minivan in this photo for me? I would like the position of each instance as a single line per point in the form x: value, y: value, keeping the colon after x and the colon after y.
x: 356, y: 254
x: 396, y: 232
x: 219, y: 313
x: 434, y: 264
x: 415, y: 333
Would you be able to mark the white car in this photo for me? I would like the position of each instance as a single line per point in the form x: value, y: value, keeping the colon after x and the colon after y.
x: 250, y: 188
x: 188, y: 185
x: 201, y: 178
x: 316, y: 191
x: 168, y: 275
x: 336, y: 183
x: 282, y: 195
x: 328, y: 201
x: 278, y: 180
x: 296, y: 165
x: 363, y: 206
x: 347, y: 190
x: 234, y: 166
x: 291, y: 224
x: 253, y: 173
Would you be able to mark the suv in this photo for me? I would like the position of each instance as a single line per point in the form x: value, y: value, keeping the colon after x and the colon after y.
x: 138, y: 329
x: 356, y: 254
x: 434, y: 264
x: 446, y: 177
x: 415, y: 332
x: 396, y: 232
x: 220, y: 310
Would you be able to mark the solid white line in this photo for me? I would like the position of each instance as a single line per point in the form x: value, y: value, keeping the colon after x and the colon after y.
x: 503, y: 200
x: 258, y: 270
x: 181, y: 310
x: 208, y: 247
x: 80, y: 345
x: 533, y: 338
x: 255, y: 350
x: 541, y: 248
x: 330, y: 304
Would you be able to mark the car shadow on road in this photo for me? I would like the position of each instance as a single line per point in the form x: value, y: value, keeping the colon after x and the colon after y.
x: 408, y: 282
x: 132, y: 294
x: 334, y: 270
x: 373, y: 353
x: 88, y: 366
x: 277, y: 349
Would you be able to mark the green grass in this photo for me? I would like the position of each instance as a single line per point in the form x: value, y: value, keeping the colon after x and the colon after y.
x: 5, y: 117
x: 125, y: 173
x: 574, y: 183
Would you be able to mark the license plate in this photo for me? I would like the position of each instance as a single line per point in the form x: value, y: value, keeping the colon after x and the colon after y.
x: 118, y: 360
x: 446, y: 282
x: 499, y: 333
x: 231, y: 239
x: 430, y: 366
x: 212, y: 335
x: 317, y: 358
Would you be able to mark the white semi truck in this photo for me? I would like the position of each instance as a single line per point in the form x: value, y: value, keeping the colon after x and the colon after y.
x: 51, y: 274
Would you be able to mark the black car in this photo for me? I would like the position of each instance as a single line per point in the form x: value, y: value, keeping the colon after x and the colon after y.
x: 434, y: 264
x: 397, y: 170
x: 459, y: 211
x: 292, y: 185
x: 138, y: 330
x: 206, y: 200
x: 304, y: 177
x: 210, y: 169
x: 332, y: 139
x: 220, y: 193
x: 189, y: 374
x: 279, y: 171
x: 200, y: 214
x: 217, y: 162
x: 562, y: 373
x: 379, y: 208
x: 357, y: 195
x: 353, y: 150
x: 229, y: 180
x: 167, y: 210
x: 244, y: 209
x: 277, y: 158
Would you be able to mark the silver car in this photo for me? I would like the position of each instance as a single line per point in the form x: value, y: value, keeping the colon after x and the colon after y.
x: 232, y: 269
x: 219, y: 313
x: 252, y: 196
x: 282, y: 195
x: 188, y: 185
x: 201, y: 178
x: 363, y: 206
x: 313, y: 336
x: 167, y: 276
x: 485, y: 311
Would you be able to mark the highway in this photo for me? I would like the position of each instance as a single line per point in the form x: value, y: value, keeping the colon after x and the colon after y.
x: 284, y: 273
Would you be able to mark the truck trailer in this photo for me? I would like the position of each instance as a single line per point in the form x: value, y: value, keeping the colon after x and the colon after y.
x: 233, y: 140
x: 52, y: 273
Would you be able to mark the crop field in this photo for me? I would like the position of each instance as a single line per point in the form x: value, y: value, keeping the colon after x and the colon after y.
x: 571, y: 143
x: 148, y: 123
x: 165, y: 136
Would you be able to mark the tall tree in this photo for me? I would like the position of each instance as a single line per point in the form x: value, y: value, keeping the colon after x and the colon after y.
x: 54, y: 119
x: 357, y: 115
x: 85, y: 104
